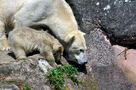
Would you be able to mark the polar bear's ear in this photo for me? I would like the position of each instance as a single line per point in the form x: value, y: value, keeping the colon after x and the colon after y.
x: 82, y: 33
x: 69, y: 38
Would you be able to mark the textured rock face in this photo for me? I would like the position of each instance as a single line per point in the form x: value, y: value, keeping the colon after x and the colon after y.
x: 8, y: 87
x: 22, y: 73
x: 115, y: 17
x: 32, y: 73
x: 125, y: 59
x: 102, y: 59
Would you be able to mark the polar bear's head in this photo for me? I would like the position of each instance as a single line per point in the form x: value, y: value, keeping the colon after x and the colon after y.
x: 76, y: 47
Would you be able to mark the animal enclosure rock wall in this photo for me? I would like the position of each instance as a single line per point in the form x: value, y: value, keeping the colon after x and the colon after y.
x: 115, y: 17
x: 104, y: 20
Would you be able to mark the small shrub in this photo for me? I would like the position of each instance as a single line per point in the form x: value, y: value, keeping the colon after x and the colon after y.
x: 26, y: 87
x: 56, y: 76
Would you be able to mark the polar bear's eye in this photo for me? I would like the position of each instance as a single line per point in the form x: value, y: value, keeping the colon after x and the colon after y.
x: 74, y: 48
x: 79, y: 51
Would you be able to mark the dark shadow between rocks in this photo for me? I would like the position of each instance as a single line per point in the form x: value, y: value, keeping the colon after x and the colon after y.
x: 11, y: 54
x: 80, y: 68
x: 124, y: 41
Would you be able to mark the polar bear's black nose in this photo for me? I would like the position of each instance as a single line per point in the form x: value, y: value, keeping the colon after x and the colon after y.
x: 85, y: 62
x: 81, y: 50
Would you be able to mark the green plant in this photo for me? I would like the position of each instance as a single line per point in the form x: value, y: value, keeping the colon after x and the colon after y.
x: 71, y: 73
x: 26, y: 87
x: 56, y: 76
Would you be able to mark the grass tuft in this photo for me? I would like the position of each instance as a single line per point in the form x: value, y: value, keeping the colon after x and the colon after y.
x: 57, y: 75
x: 26, y: 87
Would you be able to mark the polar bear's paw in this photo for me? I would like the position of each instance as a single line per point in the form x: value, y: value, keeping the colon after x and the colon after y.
x: 4, y: 45
x: 5, y: 48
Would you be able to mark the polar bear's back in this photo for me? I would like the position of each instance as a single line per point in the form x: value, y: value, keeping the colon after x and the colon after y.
x: 28, y: 37
x: 9, y: 7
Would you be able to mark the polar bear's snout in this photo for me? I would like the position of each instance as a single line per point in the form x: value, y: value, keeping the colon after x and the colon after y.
x: 81, y: 58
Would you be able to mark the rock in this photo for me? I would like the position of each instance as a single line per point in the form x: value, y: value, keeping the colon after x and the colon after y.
x: 88, y: 81
x: 44, y: 66
x: 115, y: 17
x: 5, y: 58
x: 99, y: 48
x: 116, y: 20
x: 101, y: 66
x: 125, y: 59
x: 31, y: 73
x: 8, y: 86
x: 27, y: 72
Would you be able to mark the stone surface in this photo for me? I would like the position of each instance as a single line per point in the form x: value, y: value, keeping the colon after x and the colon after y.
x: 99, y: 48
x: 5, y: 58
x: 126, y: 60
x: 29, y: 72
x: 101, y: 57
x: 5, y: 86
x: 115, y: 17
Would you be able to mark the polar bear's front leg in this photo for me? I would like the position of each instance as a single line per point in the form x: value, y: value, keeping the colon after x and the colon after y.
x: 3, y: 40
x: 19, y: 53
x: 49, y: 57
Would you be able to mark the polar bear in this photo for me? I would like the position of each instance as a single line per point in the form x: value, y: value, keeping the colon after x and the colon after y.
x: 24, y: 40
x: 56, y: 14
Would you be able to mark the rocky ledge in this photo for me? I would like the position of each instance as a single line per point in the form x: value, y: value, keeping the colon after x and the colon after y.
x: 109, y: 67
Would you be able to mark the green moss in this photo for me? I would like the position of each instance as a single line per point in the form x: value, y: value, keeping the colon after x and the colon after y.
x: 56, y: 76
x: 26, y: 87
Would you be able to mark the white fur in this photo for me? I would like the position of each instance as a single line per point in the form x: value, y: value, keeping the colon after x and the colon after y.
x: 56, y: 14
x: 81, y: 58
